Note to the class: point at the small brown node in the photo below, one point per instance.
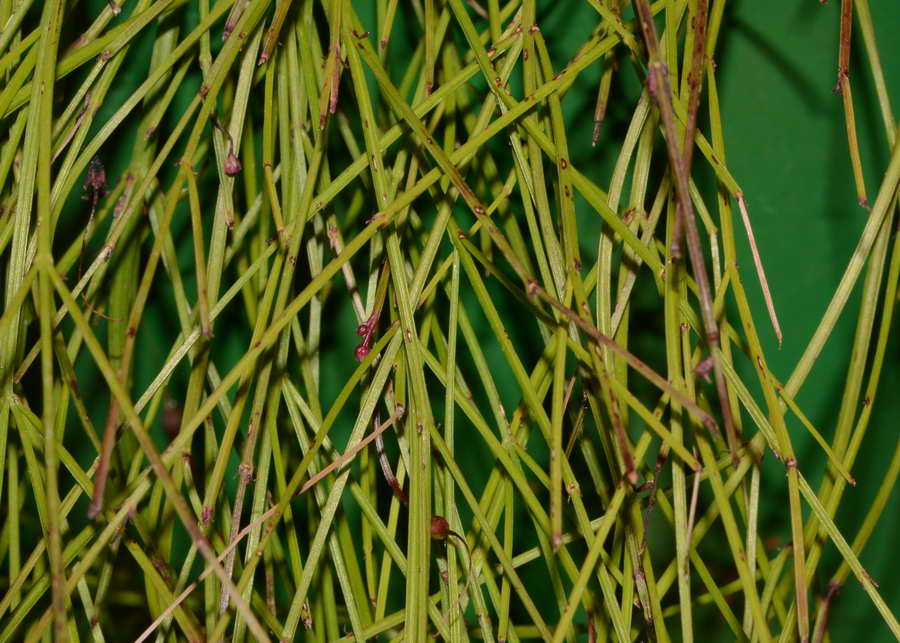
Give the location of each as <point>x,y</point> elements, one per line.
<point>245,471</point>
<point>440,528</point>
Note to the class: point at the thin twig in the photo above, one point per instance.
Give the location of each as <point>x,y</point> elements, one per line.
<point>695,84</point>
<point>359,446</point>
<point>658,84</point>
<point>760,271</point>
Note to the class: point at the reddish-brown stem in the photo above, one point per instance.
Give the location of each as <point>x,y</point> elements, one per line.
<point>367,328</point>
<point>615,417</point>
<point>846,33</point>
<point>335,80</point>
<point>102,473</point>
<point>387,471</point>
<point>272,34</point>
<point>245,473</point>
<point>695,83</point>
<point>658,86</point>
<point>824,611</point>
<point>236,10</point>
<point>352,451</point>
<point>270,575</point>
<point>652,486</point>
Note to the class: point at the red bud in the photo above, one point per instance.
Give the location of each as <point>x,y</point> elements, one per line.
<point>440,528</point>
<point>232,165</point>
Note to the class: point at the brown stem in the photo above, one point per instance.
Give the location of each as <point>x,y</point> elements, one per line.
<point>653,486</point>
<point>846,33</point>
<point>352,451</point>
<point>270,575</point>
<point>102,473</point>
<point>658,86</point>
<point>695,83</point>
<point>615,417</point>
<point>387,471</point>
<point>824,611</point>
<point>236,10</point>
<point>245,472</point>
